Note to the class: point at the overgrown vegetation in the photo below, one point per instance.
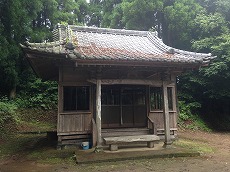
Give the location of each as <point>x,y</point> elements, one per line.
<point>38,94</point>
<point>8,115</point>
<point>30,108</point>
<point>16,116</point>
<point>188,119</point>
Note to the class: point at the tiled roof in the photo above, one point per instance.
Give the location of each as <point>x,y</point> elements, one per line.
<point>89,43</point>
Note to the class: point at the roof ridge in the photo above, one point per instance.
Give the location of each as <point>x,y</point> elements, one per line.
<point>162,46</point>
<point>44,44</point>
<point>109,30</point>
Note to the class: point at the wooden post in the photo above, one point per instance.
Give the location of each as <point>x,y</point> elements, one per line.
<point>168,141</point>
<point>60,107</point>
<point>98,114</point>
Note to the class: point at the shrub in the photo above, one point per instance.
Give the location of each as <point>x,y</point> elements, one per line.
<point>39,94</point>
<point>7,113</point>
<point>188,119</point>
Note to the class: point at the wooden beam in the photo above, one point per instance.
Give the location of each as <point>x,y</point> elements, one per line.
<point>156,83</point>
<point>168,141</point>
<point>98,113</point>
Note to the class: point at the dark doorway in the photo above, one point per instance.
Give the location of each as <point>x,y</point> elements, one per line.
<point>124,106</point>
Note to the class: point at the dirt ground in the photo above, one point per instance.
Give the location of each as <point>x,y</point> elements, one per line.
<point>216,161</point>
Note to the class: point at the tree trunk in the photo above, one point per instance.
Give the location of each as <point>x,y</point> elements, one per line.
<point>12,94</point>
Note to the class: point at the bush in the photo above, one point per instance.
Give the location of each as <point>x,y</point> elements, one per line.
<point>188,119</point>
<point>39,94</point>
<point>7,113</point>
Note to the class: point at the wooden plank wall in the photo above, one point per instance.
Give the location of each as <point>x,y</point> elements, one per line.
<point>158,119</point>
<point>74,123</point>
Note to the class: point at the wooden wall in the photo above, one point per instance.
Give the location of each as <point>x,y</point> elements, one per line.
<point>80,122</point>
<point>73,122</point>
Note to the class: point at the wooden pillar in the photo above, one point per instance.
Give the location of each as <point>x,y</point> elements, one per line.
<point>168,141</point>
<point>98,113</point>
<point>60,106</point>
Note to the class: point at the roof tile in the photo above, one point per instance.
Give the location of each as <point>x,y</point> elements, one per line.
<point>118,45</point>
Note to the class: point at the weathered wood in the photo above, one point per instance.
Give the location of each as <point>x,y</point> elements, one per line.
<point>94,133</point>
<point>151,126</point>
<point>158,119</point>
<point>156,83</point>
<point>166,116</point>
<point>113,142</point>
<point>78,136</point>
<point>73,132</point>
<point>171,129</point>
<point>60,100</point>
<point>130,139</point>
<point>175,104</point>
<point>162,131</point>
<point>98,112</point>
<point>124,132</point>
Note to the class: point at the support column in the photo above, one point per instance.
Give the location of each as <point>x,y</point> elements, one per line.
<point>60,107</point>
<point>168,141</point>
<point>98,114</point>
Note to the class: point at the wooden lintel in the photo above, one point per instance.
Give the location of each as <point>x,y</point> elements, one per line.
<point>157,83</point>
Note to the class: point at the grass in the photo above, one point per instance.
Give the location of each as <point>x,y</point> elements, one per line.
<point>34,125</point>
<point>35,147</point>
<point>53,156</point>
<point>202,148</point>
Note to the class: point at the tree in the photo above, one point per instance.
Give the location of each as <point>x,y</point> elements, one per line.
<point>179,23</point>
<point>22,20</point>
<point>94,16</point>
<point>140,15</point>
<point>13,28</point>
<point>112,14</point>
<point>210,85</point>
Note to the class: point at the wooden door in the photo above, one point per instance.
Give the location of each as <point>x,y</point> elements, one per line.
<point>134,106</point>
<point>124,106</point>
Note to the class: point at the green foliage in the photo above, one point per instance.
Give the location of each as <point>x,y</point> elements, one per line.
<point>39,94</point>
<point>187,118</point>
<point>186,109</point>
<point>7,113</point>
<point>22,20</point>
<point>112,14</point>
<point>179,18</point>
<point>141,12</point>
<point>94,16</point>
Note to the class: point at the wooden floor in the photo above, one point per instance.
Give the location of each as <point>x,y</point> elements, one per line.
<point>124,132</point>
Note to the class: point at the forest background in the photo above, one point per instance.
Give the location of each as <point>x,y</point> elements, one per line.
<point>194,25</point>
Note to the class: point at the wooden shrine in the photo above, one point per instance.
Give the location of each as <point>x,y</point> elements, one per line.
<point>112,82</point>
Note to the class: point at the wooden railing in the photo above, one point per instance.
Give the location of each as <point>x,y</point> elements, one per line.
<point>153,129</point>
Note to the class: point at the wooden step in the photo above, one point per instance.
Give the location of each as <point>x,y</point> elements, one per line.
<point>124,131</point>
<point>74,139</point>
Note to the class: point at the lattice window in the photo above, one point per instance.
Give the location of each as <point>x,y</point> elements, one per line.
<point>156,98</point>
<point>76,98</point>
